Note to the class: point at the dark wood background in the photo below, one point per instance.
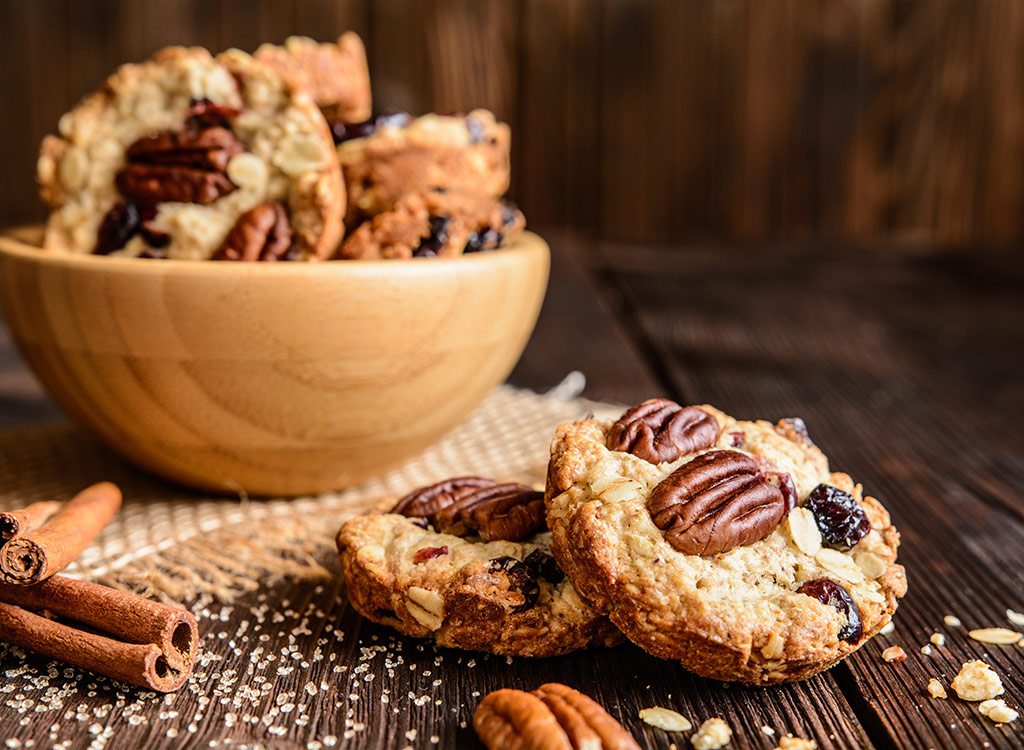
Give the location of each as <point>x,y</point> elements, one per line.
<point>634,120</point>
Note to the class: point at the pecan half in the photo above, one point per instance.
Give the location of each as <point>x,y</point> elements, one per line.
<point>505,511</point>
<point>262,233</point>
<point>552,717</point>
<point>583,719</point>
<point>427,501</point>
<point>659,430</point>
<point>185,167</point>
<point>715,502</point>
<point>517,720</point>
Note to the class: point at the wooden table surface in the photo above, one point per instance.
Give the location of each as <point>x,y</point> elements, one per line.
<point>905,364</point>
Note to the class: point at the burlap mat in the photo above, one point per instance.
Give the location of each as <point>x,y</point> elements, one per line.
<point>173,544</point>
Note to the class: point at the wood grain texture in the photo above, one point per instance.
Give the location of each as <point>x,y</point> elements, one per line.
<point>285,380</point>
<point>633,119</point>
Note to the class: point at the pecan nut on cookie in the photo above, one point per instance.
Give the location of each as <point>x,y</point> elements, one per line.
<point>725,544</point>
<point>466,563</point>
<point>393,155</point>
<point>193,157</point>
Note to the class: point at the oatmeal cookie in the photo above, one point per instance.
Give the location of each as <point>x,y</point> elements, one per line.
<point>190,156</point>
<point>725,544</point>
<point>426,225</point>
<point>502,597</point>
<point>335,75</point>
<point>393,155</point>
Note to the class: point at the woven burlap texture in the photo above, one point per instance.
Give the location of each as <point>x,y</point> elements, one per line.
<point>177,545</point>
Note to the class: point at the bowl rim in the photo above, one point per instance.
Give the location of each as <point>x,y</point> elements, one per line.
<point>13,244</point>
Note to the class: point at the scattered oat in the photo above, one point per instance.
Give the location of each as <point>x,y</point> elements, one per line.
<point>887,628</point>
<point>952,621</point>
<point>996,636</point>
<point>935,689</point>
<point>998,711</point>
<point>926,649</point>
<point>1015,617</point>
<point>768,730</point>
<point>804,530</point>
<point>789,742</point>
<point>977,682</point>
<point>894,653</point>
<point>713,734</point>
<point>666,718</point>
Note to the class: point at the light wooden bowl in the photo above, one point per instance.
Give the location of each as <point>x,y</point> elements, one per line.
<point>284,378</point>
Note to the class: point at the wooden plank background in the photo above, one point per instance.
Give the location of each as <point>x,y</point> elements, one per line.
<point>635,120</point>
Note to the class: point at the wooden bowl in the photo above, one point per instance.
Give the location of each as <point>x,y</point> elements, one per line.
<point>273,379</point>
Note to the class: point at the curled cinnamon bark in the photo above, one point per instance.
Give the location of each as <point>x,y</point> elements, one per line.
<point>37,555</point>
<point>15,522</point>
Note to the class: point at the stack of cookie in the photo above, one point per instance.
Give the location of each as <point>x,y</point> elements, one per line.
<point>727,545</point>
<point>270,157</point>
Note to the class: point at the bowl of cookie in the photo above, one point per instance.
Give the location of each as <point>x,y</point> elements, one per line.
<point>249,283</point>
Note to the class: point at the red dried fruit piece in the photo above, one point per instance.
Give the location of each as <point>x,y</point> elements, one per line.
<point>659,430</point>
<point>784,482</point>
<point>827,591</point>
<point>840,518</point>
<point>543,565</point>
<point>429,553</point>
<point>118,226</point>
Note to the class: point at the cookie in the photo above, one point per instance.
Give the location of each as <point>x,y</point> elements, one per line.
<point>503,596</point>
<point>727,545</point>
<point>427,225</point>
<point>335,75</point>
<point>194,157</point>
<point>393,155</point>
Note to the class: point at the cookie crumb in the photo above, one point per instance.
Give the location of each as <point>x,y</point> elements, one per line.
<point>952,621</point>
<point>665,718</point>
<point>768,730</point>
<point>998,711</point>
<point>1015,617</point>
<point>789,742</point>
<point>935,689</point>
<point>713,734</point>
<point>938,639</point>
<point>995,636</point>
<point>887,628</point>
<point>977,682</point>
<point>926,649</point>
<point>894,653</point>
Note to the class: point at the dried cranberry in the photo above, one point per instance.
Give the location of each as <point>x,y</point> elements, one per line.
<point>153,253</point>
<point>543,565</point>
<point>508,213</point>
<point>520,577</point>
<point>476,130</point>
<point>117,227</point>
<point>204,114</point>
<point>840,518</point>
<point>827,591</point>
<point>429,553</point>
<point>347,131</point>
<point>487,239</point>
<point>435,241</point>
<point>786,486</point>
<point>799,427</point>
<point>737,438</point>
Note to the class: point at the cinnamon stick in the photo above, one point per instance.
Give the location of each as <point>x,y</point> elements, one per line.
<point>37,555</point>
<point>131,618</point>
<point>15,522</point>
<point>137,664</point>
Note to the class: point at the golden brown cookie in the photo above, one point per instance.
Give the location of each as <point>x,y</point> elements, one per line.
<point>335,75</point>
<point>173,154</point>
<point>725,544</point>
<point>502,597</point>
<point>435,225</point>
<point>394,155</point>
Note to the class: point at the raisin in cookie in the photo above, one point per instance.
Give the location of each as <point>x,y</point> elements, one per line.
<point>727,545</point>
<point>393,155</point>
<point>335,75</point>
<point>190,156</point>
<point>427,225</point>
<point>504,596</point>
